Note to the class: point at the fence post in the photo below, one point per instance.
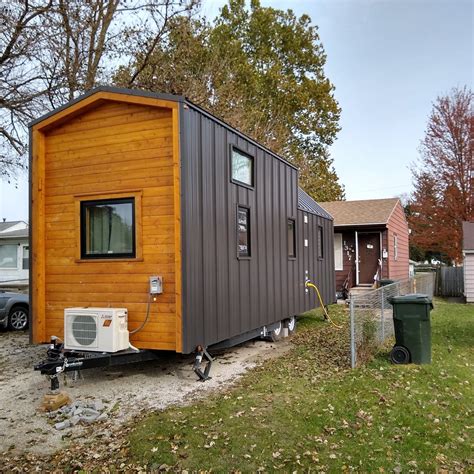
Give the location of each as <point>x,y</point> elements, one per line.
<point>382,318</point>
<point>353,345</point>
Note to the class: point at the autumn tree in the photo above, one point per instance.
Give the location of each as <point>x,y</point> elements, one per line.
<point>87,41</point>
<point>21,78</point>
<point>442,198</point>
<point>261,70</point>
<point>52,51</point>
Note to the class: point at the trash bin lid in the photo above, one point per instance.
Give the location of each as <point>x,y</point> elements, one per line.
<point>416,298</point>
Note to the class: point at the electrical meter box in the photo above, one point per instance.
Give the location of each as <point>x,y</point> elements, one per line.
<point>156,285</point>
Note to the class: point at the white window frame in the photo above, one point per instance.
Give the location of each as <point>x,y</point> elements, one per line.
<point>338,252</point>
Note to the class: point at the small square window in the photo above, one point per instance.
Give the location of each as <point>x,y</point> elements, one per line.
<point>108,228</point>
<point>243,231</point>
<point>241,168</point>
<point>291,238</point>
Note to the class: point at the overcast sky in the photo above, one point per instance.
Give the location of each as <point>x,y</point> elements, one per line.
<point>389,60</point>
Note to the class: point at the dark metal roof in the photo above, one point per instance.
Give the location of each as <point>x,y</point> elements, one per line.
<point>115,90</point>
<point>156,95</point>
<point>308,204</point>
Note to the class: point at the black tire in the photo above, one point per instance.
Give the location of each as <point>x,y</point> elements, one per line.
<point>277,333</point>
<point>291,325</point>
<point>18,318</point>
<point>400,355</point>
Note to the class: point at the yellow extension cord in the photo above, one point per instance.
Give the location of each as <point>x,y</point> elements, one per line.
<point>312,285</point>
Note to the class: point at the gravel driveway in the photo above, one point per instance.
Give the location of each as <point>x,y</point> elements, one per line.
<point>125,391</point>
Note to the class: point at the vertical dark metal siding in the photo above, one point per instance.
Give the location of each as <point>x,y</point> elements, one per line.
<point>224,296</point>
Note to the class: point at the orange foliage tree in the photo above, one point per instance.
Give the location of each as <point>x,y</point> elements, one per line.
<point>443,194</point>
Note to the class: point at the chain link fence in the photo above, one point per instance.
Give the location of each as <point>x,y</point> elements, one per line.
<point>371,315</point>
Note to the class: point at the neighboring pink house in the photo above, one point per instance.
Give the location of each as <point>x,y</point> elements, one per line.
<point>370,237</point>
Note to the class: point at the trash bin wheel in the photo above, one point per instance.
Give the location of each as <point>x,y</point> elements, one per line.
<point>400,355</point>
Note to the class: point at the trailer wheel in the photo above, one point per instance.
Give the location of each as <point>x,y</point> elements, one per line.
<point>291,325</point>
<point>277,333</point>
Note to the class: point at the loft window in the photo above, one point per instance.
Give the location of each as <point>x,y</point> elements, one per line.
<point>320,242</point>
<point>8,256</point>
<point>243,231</point>
<point>108,228</point>
<point>291,238</point>
<point>241,168</point>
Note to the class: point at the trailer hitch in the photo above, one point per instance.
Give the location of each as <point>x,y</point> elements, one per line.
<point>201,352</point>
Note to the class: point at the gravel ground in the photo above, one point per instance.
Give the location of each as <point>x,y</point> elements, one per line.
<point>126,391</point>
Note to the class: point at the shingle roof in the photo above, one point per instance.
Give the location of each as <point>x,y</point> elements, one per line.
<point>308,204</point>
<point>6,225</point>
<point>468,235</point>
<point>14,234</point>
<point>371,211</point>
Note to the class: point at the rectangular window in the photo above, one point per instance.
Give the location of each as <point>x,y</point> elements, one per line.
<point>338,253</point>
<point>241,168</point>
<point>395,247</point>
<point>26,257</point>
<point>8,256</point>
<point>243,231</point>
<point>108,228</point>
<point>291,238</point>
<point>320,242</point>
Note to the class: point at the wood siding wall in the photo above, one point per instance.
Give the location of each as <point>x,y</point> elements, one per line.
<point>397,225</point>
<point>225,296</point>
<point>114,147</point>
<point>469,277</point>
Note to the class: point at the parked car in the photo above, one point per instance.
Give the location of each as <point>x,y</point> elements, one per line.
<point>14,310</point>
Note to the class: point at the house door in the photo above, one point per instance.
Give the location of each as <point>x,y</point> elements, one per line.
<point>369,254</point>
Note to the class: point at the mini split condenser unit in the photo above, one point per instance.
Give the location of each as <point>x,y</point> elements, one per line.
<point>96,329</point>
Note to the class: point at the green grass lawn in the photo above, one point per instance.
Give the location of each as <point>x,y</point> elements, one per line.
<point>307,410</point>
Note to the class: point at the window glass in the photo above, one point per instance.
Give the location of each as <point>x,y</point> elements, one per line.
<point>338,255</point>
<point>8,256</point>
<point>242,168</point>
<point>26,257</point>
<point>291,239</point>
<point>320,242</point>
<point>108,228</point>
<point>243,231</point>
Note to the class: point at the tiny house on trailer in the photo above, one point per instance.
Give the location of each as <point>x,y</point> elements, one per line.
<point>127,185</point>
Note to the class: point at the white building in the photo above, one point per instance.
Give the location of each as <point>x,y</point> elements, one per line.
<point>14,253</point>
<point>468,253</point>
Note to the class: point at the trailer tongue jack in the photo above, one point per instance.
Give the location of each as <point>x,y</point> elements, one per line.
<point>201,352</point>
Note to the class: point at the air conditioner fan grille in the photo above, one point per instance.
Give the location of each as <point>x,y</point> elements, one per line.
<point>84,329</point>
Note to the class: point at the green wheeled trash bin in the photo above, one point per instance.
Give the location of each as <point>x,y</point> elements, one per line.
<point>411,320</point>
